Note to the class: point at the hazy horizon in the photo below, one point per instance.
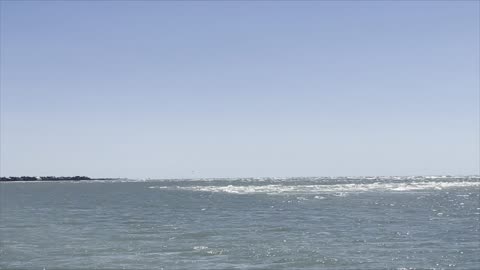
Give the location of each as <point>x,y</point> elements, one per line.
<point>239,89</point>
<point>255,177</point>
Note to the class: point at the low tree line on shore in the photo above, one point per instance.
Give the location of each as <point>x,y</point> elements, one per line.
<point>43,178</point>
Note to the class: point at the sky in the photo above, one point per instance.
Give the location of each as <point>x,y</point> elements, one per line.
<point>239,89</point>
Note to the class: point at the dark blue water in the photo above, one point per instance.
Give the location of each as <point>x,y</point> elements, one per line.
<point>306,223</point>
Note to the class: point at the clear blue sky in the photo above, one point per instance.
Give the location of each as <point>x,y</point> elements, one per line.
<point>235,89</point>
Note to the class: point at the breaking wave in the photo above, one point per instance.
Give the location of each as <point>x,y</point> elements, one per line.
<point>324,188</point>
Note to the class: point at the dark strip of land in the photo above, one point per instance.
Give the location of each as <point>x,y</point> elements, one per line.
<point>49,178</point>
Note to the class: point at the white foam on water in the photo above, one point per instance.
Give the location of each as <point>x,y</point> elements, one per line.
<point>338,189</point>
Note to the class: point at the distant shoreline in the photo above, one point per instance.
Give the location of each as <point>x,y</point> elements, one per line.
<point>86,178</point>
<point>51,178</point>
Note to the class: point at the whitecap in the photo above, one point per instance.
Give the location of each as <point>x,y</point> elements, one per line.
<point>336,189</point>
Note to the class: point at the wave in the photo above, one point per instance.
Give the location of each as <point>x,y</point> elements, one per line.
<point>314,189</point>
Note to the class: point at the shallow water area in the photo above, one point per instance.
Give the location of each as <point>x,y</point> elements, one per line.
<point>269,223</point>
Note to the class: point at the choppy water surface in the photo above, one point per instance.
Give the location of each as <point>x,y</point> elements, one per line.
<point>304,223</point>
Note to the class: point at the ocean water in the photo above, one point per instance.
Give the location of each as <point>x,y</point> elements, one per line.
<point>265,223</point>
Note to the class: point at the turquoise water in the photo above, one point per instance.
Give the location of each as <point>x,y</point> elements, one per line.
<point>296,223</point>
